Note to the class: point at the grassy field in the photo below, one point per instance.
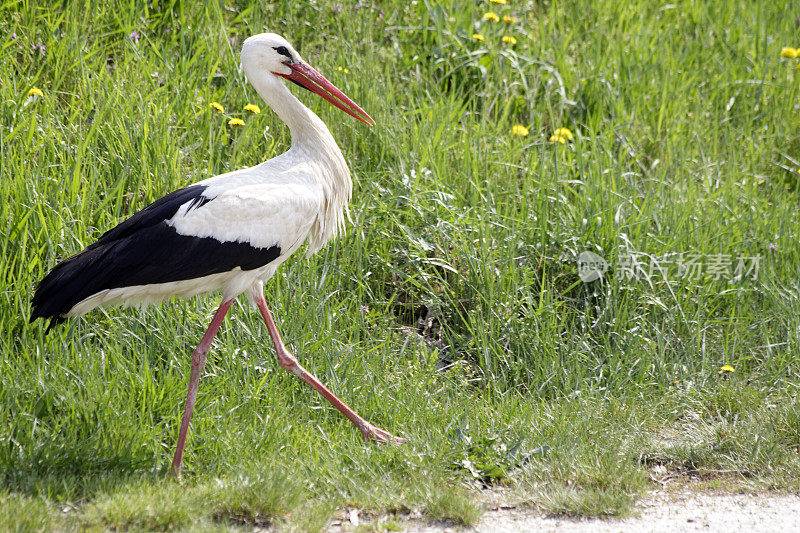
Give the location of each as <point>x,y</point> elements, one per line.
<point>452,312</point>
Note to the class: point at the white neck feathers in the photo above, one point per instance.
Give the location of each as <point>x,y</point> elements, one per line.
<point>311,142</point>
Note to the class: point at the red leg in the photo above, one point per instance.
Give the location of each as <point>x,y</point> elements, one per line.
<point>288,361</point>
<point>198,362</point>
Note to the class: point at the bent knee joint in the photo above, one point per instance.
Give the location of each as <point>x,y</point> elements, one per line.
<point>288,362</point>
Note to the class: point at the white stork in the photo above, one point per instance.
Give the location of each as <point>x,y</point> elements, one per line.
<point>229,232</point>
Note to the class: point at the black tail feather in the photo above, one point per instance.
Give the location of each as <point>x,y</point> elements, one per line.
<point>65,285</point>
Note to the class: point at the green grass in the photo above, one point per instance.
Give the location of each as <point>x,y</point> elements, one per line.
<point>461,254</point>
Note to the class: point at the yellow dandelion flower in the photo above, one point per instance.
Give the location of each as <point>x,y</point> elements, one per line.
<point>343,69</point>
<point>217,106</point>
<point>491,16</point>
<point>35,91</point>
<point>501,2</point>
<point>509,39</point>
<point>558,139</point>
<point>509,19</point>
<point>790,52</point>
<point>477,36</point>
<point>236,122</point>
<point>253,108</point>
<point>726,368</point>
<point>563,132</point>
<point>519,129</point>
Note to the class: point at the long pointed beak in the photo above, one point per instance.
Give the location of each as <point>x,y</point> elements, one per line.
<point>307,77</point>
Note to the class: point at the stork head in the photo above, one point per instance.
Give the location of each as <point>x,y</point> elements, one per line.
<point>272,53</point>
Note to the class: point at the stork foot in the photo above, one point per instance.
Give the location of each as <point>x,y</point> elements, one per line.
<point>379,436</point>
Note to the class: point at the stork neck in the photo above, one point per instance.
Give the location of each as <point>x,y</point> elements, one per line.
<point>305,126</point>
<point>312,141</point>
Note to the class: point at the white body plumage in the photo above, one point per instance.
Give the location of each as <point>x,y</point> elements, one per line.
<point>300,196</point>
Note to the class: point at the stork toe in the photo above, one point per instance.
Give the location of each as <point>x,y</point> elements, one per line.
<point>380,436</point>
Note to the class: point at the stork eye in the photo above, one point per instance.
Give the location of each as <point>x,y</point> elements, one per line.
<point>283,51</point>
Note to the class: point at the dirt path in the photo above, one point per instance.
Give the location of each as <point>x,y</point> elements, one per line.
<point>661,512</point>
<point>666,512</point>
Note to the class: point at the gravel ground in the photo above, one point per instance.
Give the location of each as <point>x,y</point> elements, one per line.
<point>661,512</point>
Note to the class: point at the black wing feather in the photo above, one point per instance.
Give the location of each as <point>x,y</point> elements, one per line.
<point>143,250</point>
<point>162,209</point>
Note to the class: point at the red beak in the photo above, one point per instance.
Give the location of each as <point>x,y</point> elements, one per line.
<point>305,76</point>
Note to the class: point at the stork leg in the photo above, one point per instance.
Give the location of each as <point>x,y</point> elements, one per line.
<point>198,363</point>
<point>288,361</point>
